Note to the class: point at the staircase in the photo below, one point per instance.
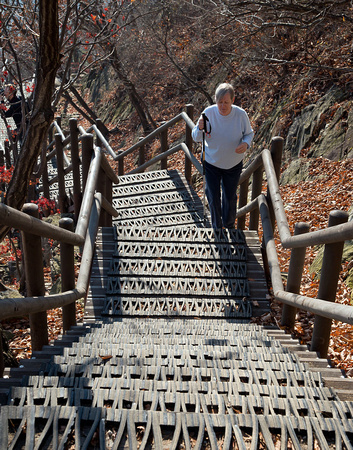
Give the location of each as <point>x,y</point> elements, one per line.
<point>168,356</point>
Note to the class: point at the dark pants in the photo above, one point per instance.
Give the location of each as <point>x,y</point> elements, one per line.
<point>223,209</point>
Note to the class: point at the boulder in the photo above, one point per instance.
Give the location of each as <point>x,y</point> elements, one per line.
<point>295,172</point>
<point>323,127</point>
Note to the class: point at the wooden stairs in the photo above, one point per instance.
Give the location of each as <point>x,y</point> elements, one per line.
<point>169,356</point>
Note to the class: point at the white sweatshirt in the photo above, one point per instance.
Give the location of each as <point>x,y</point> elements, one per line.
<point>227,132</point>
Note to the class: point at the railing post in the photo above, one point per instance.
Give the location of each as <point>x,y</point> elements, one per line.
<point>188,142</point>
<point>15,149</point>
<point>142,158</point>
<point>51,136</point>
<point>7,154</point>
<point>276,153</point>
<point>295,272</point>
<point>164,148</point>
<point>100,127</point>
<point>45,177</point>
<point>33,262</point>
<point>330,270</point>
<point>109,198</point>
<point>121,169</point>
<point>255,192</point>
<point>61,175</point>
<point>87,152</point>
<point>75,160</point>
<point>67,265</point>
<point>2,362</point>
<point>243,199</point>
<point>102,188</point>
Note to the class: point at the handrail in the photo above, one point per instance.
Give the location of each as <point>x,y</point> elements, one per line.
<point>101,137</point>
<point>343,313</point>
<point>14,307</point>
<point>336,233</point>
<point>84,236</point>
<point>333,235</point>
<point>151,136</point>
<point>13,218</point>
<point>169,152</point>
<point>87,201</point>
<point>335,311</point>
<point>89,214</point>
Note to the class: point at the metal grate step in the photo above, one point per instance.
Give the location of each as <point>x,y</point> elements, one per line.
<point>124,266</point>
<point>180,234</point>
<point>159,383</point>
<point>57,427</point>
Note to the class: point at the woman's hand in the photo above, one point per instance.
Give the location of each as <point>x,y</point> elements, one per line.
<point>241,148</point>
<point>201,123</point>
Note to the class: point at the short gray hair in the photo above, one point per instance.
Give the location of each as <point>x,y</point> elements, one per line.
<point>223,89</point>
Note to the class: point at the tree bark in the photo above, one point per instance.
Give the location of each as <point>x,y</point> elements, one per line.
<point>146,120</point>
<point>42,113</point>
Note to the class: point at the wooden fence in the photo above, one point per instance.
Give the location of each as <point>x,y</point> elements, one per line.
<point>92,179</point>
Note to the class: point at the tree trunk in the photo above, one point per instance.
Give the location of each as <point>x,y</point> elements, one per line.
<point>42,114</point>
<point>147,123</point>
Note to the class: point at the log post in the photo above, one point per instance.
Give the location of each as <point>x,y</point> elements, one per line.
<point>75,160</point>
<point>87,152</point>
<point>61,175</point>
<point>33,262</point>
<point>243,199</point>
<point>330,270</point>
<point>188,142</point>
<point>276,153</point>
<point>67,264</point>
<point>102,188</point>
<point>295,272</point>
<point>255,192</point>
<point>142,157</point>
<point>121,167</point>
<point>164,148</point>
<point>109,198</point>
<point>45,177</point>
<point>101,128</point>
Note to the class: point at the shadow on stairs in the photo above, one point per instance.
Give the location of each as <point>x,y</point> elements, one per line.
<point>163,259</point>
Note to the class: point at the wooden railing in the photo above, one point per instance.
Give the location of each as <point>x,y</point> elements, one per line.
<point>95,209</point>
<point>92,179</point>
<point>271,210</point>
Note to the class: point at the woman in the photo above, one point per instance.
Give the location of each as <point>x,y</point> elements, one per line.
<point>14,110</point>
<point>228,135</point>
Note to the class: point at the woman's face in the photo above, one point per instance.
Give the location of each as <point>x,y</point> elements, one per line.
<point>225,104</point>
